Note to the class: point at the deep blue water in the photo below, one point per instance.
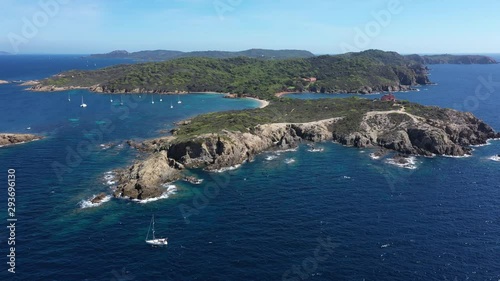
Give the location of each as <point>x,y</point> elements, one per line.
<point>264,221</point>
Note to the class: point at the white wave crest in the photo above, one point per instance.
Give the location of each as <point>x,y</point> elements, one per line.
<point>289,161</point>
<point>109,178</point>
<point>222,170</point>
<point>410,163</point>
<point>271,157</point>
<point>495,158</point>
<point>314,149</point>
<point>88,203</point>
<point>171,189</point>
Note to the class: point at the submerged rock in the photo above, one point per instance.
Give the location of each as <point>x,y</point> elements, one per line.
<point>98,198</point>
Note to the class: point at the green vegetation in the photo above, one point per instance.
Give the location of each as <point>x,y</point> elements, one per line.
<point>286,110</point>
<point>452,59</point>
<point>163,55</point>
<point>354,72</point>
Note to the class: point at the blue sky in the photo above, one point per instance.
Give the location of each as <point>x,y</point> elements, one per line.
<point>321,26</point>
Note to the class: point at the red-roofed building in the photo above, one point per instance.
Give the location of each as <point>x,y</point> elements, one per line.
<point>388,97</point>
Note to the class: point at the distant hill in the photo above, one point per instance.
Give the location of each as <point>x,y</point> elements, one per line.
<point>452,59</point>
<point>364,72</point>
<point>2,53</point>
<point>163,55</point>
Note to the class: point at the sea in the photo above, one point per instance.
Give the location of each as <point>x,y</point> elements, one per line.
<point>332,213</point>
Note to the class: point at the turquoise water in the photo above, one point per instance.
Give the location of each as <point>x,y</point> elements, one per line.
<point>266,220</point>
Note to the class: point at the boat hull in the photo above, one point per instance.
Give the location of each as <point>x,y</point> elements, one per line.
<point>157,242</point>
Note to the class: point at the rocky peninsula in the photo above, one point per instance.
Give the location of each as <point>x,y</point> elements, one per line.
<point>11,139</point>
<point>406,128</point>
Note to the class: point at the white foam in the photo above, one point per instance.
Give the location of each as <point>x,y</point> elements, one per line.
<point>271,157</point>
<point>88,204</point>
<point>289,160</point>
<point>222,170</point>
<point>171,189</point>
<point>495,158</point>
<point>319,149</point>
<point>374,157</point>
<point>109,178</point>
<point>286,150</point>
<point>347,177</point>
<point>481,145</point>
<point>385,245</point>
<point>452,156</point>
<point>411,163</point>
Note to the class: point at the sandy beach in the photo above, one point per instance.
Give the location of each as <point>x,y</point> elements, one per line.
<point>263,103</point>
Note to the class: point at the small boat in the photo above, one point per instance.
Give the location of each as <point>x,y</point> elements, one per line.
<point>69,97</point>
<point>111,99</point>
<point>152,100</point>
<point>161,99</point>
<point>171,106</point>
<point>179,99</point>
<point>29,128</point>
<point>83,104</point>
<point>155,241</point>
<point>121,100</point>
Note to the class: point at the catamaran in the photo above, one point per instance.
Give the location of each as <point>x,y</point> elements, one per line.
<point>155,241</point>
<point>83,104</point>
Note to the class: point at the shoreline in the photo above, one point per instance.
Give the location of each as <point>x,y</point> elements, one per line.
<point>262,103</point>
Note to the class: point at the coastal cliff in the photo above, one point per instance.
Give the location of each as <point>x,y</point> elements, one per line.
<point>417,130</point>
<point>11,139</point>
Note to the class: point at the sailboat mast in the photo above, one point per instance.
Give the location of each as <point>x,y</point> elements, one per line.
<point>153,227</point>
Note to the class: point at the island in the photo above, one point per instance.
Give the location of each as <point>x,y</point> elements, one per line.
<point>162,55</point>
<point>452,59</point>
<point>217,141</point>
<point>363,72</point>
<point>11,139</point>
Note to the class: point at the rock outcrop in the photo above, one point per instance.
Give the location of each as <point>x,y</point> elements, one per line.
<point>448,132</point>
<point>10,139</point>
<point>145,178</point>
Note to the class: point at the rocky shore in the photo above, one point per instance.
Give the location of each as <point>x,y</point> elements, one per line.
<point>449,133</point>
<point>11,139</point>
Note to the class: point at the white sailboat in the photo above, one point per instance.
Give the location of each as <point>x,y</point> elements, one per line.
<point>179,99</point>
<point>69,97</point>
<point>155,241</point>
<point>111,99</point>
<point>171,106</point>
<point>152,100</point>
<point>121,100</point>
<point>83,104</point>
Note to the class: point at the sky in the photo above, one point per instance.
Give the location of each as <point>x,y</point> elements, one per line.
<point>320,26</point>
